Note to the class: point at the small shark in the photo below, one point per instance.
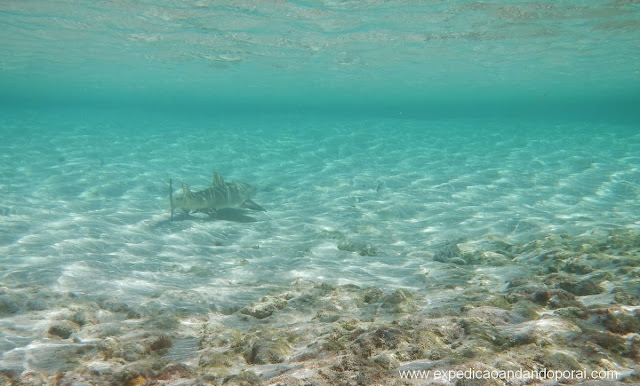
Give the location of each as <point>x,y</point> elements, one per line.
<point>220,195</point>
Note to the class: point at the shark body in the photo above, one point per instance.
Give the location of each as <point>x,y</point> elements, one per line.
<point>220,195</point>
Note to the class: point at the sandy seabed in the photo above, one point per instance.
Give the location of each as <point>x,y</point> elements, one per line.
<point>573,307</point>
<point>390,253</point>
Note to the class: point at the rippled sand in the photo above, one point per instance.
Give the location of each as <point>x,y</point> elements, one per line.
<point>386,246</point>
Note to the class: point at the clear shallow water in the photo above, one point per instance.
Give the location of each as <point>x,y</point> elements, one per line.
<point>399,185</point>
<point>377,134</point>
<point>396,57</point>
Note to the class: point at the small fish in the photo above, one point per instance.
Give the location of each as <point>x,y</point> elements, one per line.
<point>220,195</point>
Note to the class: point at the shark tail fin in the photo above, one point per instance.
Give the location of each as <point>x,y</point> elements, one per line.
<point>173,206</point>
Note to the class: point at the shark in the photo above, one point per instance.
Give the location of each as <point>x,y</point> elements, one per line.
<point>220,195</point>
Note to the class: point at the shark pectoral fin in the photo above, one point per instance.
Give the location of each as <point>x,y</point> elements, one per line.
<point>252,205</point>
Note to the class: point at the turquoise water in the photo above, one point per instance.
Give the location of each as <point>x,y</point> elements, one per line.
<point>447,185</point>
<point>395,57</point>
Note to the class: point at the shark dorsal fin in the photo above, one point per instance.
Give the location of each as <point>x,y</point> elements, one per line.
<point>217,180</point>
<point>185,190</point>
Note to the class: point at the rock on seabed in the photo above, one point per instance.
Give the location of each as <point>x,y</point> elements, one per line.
<point>576,306</point>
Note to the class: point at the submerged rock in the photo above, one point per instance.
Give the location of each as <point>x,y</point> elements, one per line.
<point>620,322</point>
<point>457,260</point>
<point>577,267</point>
<point>488,258</point>
<point>160,344</point>
<point>213,358</point>
<point>381,338</point>
<point>580,288</point>
<point>263,350</point>
<point>557,361</point>
<point>244,378</point>
<point>398,301</point>
<point>9,305</point>
<point>327,316</point>
<point>448,252</point>
<point>463,317</point>
<point>563,299</point>
<point>495,316</point>
<point>265,308</point>
<point>396,297</point>
<point>627,295</point>
<point>363,249</point>
<point>386,361</point>
<point>62,329</point>
<point>115,306</point>
<point>372,294</point>
<point>137,381</point>
<point>368,250</point>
